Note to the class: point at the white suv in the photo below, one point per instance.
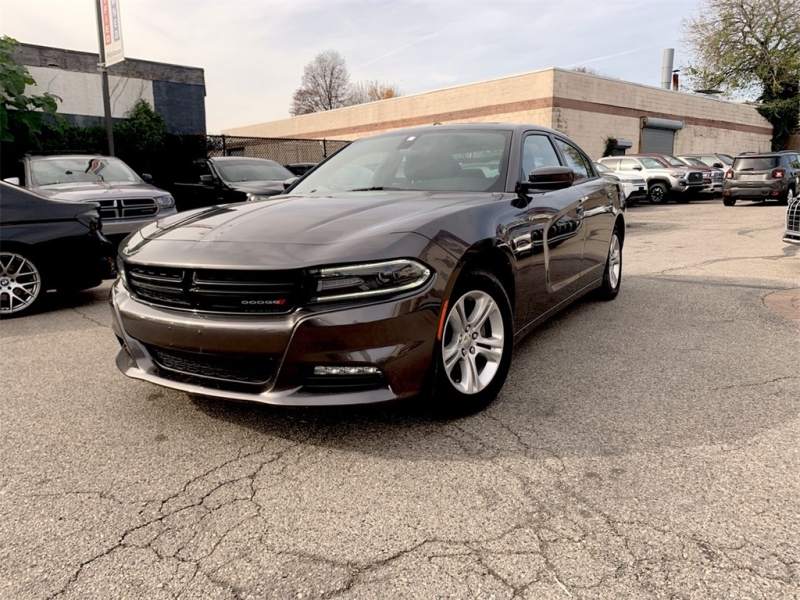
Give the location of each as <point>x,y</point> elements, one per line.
<point>662,180</point>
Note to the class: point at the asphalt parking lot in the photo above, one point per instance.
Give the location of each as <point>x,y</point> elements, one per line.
<point>643,448</point>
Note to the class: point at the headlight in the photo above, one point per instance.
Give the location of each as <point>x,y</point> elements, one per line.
<point>367,280</point>
<point>677,174</point>
<point>165,201</point>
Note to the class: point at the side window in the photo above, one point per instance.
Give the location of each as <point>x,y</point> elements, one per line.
<point>611,163</point>
<point>575,160</point>
<point>628,164</point>
<point>537,151</point>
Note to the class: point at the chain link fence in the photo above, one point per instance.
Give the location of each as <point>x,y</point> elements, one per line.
<point>282,150</point>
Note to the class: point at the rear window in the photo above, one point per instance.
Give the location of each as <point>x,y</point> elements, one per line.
<point>756,163</point>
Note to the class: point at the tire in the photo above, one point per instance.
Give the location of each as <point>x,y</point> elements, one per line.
<point>788,197</point>
<point>21,287</point>
<point>469,374</point>
<point>612,275</point>
<point>728,201</point>
<point>657,193</point>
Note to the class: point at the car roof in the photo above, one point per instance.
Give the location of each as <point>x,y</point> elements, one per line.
<point>68,156</point>
<point>759,154</point>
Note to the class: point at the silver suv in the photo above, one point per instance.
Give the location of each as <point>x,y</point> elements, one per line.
<point>126,201</point>
<point>662,181</point>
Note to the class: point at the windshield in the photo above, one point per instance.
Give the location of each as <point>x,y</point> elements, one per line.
<point>453,161</point>
<point>251,170</point>
<point>80,170</point>
<point>652,163</point>
<point>760,163</point>
<point>675,162</point>
<point>694,161</point>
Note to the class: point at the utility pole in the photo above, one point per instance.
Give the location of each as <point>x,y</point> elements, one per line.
<point>101,66</point>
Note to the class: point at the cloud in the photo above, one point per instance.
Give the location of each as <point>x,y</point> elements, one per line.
<point>253,52</point>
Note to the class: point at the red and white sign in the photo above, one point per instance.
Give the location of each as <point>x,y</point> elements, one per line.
<point>112,32</point>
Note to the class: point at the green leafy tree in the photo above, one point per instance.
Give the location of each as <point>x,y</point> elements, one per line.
<point>21,114</point>
<point>750,49</point>
<point>141,135</point>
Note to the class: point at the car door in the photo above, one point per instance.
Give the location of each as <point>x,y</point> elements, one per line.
<point>597,208</point>
<point>555,219</point>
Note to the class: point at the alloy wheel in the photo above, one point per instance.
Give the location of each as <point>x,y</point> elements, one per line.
<point>657,195</point>
<point>473,342</point>
<point>614,261</point>
<point>20,283</point>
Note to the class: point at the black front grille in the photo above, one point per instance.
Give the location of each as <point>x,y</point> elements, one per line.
<point>216,290</point>
<point>793,216</point>
<point>234,369</point>
<point>127,208</point>
<point>695,177</point>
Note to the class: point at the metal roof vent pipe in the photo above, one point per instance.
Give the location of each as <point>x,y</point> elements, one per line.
<point>666,68</point>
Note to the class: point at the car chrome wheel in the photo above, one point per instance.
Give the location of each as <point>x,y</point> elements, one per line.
<point>614,261</point>
<point>473,342</point>
<point>20,283</point>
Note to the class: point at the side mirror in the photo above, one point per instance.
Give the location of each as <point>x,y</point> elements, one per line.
<point>12,180</point>
<point>637,168</point>
<point>717,165</point>
<point>549,178</point>
<point>147,178</point>
<point>289,182</point>
<point>207,179</point>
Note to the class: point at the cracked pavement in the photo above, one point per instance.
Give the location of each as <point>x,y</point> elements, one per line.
<point>643,448</point>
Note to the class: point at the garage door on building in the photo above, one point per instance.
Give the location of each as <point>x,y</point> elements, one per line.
<point>658,135</point>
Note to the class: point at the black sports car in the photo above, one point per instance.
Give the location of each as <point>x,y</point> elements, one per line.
<point>47,244</point>
<point>407,262</point>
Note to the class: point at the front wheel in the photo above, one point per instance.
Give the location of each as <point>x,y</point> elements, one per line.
<point>788,198</point>
<point>612,276</point>
<point>657,193</point>
<point>20,284</point>
<point>727,201</point>
<point>476,346</point>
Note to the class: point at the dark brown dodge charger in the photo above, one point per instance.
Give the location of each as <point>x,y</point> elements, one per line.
<point>408,262</point>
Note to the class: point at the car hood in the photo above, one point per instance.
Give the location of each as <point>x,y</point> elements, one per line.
<point>101,190</point>
<point>256,187</point>
<point>312,220</point>
<point>288,232</point>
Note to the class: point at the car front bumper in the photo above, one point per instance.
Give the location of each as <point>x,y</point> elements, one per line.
<point>398,337</point>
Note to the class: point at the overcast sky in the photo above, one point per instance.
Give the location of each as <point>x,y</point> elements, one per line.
<point>253,52</point>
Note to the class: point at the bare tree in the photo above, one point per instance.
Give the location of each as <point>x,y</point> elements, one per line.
<point>325,85</point>
<point>750,48</point>
<point>373,90</point>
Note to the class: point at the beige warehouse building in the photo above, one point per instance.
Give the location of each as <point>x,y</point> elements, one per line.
<point>587,108</point>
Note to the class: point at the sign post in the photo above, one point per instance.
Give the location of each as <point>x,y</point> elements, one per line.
<point>109,31</point>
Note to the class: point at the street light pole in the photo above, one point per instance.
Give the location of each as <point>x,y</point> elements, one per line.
<point>101,66</point>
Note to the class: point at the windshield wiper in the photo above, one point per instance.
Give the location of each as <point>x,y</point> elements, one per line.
<point>376,189</point>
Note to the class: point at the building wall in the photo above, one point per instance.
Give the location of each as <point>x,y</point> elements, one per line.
<point>587,108</point>
<point>590,109</point>
<point>80,92</point>
<point>176,92</point>
<point>523,98</point>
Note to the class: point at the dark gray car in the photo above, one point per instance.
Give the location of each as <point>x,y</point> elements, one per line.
<point>404,264</point>
<point>760,177</point>
<point>126,201</point>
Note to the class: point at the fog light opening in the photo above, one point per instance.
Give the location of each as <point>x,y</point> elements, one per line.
<point>342,370</point>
